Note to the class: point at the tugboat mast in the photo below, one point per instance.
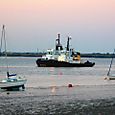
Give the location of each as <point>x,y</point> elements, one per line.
<point>58,44</point>
<point>68,43</point>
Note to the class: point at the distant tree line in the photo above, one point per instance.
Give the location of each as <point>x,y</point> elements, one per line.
<point>39,54</point>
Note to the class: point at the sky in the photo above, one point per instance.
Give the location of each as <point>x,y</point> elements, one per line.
<point>33,25</point>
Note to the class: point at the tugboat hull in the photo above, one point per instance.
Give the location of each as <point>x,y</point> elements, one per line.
<point>55,63</point>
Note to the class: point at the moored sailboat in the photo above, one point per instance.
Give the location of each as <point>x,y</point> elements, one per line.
<point>12,81</point>
<point>109,75</point>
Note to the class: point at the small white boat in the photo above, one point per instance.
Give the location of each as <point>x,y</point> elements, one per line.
<point>12,81</point>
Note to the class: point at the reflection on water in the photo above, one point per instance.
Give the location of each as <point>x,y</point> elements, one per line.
<point>50,76</point>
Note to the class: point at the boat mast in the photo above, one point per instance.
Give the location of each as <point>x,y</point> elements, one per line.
<point>68,39</point>
<point>68,46</point>
<point>58,44</point>
<point>111,64</point>
<point>3,38</point>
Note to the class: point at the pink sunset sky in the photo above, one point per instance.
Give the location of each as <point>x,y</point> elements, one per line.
<point>34,24</point>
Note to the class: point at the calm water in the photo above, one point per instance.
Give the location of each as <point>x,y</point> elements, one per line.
<point>47,92</point>
<point>50,76</point>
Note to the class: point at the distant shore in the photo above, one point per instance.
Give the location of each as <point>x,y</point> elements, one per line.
<point>33,54</point>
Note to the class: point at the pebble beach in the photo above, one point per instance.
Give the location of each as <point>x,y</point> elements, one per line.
<point>77,100</point>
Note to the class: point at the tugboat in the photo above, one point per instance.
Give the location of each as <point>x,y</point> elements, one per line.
<point>60,57</point>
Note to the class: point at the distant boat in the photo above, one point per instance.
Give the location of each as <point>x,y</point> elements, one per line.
<point>12,81</point>
<point>60,57</point>
<point>109,75</point>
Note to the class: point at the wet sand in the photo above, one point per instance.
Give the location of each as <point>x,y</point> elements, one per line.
<point>78,100</point>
